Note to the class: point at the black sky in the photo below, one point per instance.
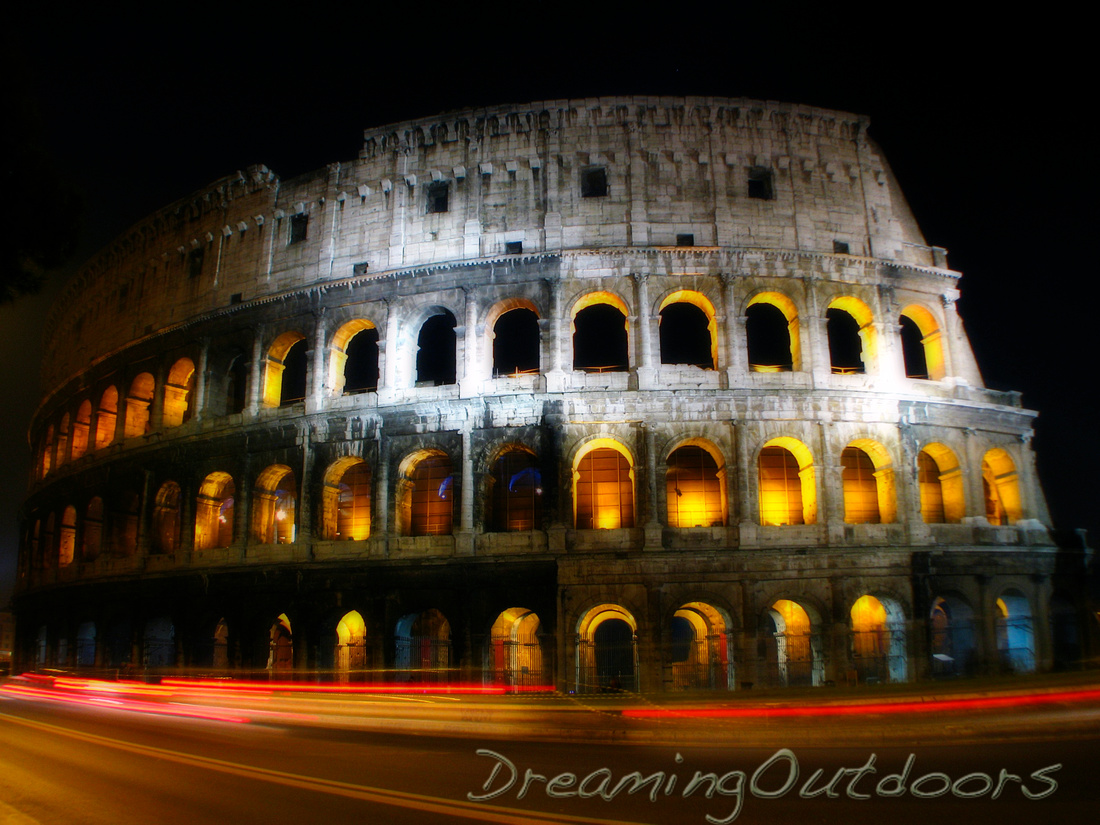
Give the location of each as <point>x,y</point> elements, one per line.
<point>983,121</point>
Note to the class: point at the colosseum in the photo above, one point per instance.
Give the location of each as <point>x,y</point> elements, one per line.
<point>629,393</point>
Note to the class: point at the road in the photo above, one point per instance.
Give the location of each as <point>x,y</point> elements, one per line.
<point>308,759</point>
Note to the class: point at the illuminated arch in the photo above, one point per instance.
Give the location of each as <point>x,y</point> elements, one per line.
<point>695,484</point>
<point>137,405</point>
<point>1001,487</point>
<point>793,650</point>
<point>952,630</point>
<point>512,326</point>
<point>351,644</point>
<point>274,503</point>
<point>607,652</point>
<point>166,519</point>
<point>704,305</point>
<point>927,346</point>
<point>1015,634</point>
<point>45,458</point>
<point>105,418</point>
<point>868,481</point>
<point>788,487</point>
<point>514,652</point>
<point>598,336</point>
<point>179,393</point>
<point>280,652</point>
<point>699,648</point>
<point>214,512</point>
<point>878,639</point>
<point>423,646</point>
<point>425,494</point>
<point>764,334</point>
<point>848,355</point>
<point>513,493</point>
<point>603,486</point>
<point>353,358</point>
<point>80,429</point>
<point>275,394</point>
<point>346,500</point>
<point>941,485</point>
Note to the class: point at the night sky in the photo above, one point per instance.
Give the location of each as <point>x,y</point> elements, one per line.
<point>984,125</point>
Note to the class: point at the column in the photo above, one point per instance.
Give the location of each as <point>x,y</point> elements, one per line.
<point>255,373</point>
<point>201,379</point>
<point>470,380</point>
<point>646,368</point>
<point>555,378</point>
<point>736,357</point>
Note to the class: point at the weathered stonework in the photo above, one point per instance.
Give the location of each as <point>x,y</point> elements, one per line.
<point>173,350</point>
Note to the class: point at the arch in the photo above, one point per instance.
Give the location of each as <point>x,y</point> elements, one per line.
<point>214,511</point>
<point>105,418</point>
<point>275,500</point>
<point>124,523</point>
<point>437,347</point>
<point>423,646</point>
<point>166,519</point>
<point>868,482</point>
<point>62,440</point>
<point>793,651</point>
<point>603,486</point>
<point>600,329</point>
<point>514,491</point>
<point>45,458</point>
<point>788,488</point>
<point>219,660</point>
<point>699,648</point>
<point>159,643</point>
<point>688,330</point>
<point>516,340</point>
<point>92,538</point>
<point>952,632</point>
<point>285,370</point>
<point>1001,487</point>
<point>67,546</point>
<point>607,650</point>
<point>236,386</point>
<point>921,344</point>
<point>1015,635</point>
<point>878,640</point>
<point>852,341</point>
<point>138,401</point>
<point>85,644</point>
<point>350,653</point>
<point>354,358</point>
<point>280,649</point>
<point>772,333</point>
<point>425,494</point>
<point>696,486</point>
<point>346,500</point>
<point>80,429</point>
<point>179,393</point>
<point>514,653</point>
<point>941,485</point>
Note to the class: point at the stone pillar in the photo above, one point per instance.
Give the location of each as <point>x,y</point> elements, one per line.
<point>989,657</point>
<point>388,352</point>
<point>653,527</point>
<point>256,374</point>
<point>646,367</point>
<point>201,380</point>
<point>972,477</point>
<point>736,356</point>
<point>464,543</point>
<point>555,378</point>
<point>316,391</point>
<point>380,515</point>
<point>947,338</point>
<point>469,382</point>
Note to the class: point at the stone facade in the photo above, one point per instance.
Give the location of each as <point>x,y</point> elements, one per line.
<point>637,392</point>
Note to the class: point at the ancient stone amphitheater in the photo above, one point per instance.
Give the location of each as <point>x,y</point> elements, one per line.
<point>639,393</point>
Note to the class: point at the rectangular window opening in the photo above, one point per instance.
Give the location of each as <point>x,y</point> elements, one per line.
<point>438,194</point>
<point>841,248</point>
<point>760,184</point>
<point>513,247</point>
<point>194,262</point>
<point>298,226</point>
<point>594,182</point>
<point>685,239</point>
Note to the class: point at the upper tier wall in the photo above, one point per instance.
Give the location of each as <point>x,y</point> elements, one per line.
<point>461,186</point>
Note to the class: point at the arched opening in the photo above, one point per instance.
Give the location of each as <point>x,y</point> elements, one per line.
<point>214,512</point>
<point>878,640</point>
<point>772,333</point>
<point>166,519</point>
<point>179,393</point>
<point>607,654</point>
<point>137,405</point>
<point>280,650</point>
<point>80,429</point>
<point>852,343</point>
<point>159,643</point>
<point>220,658</point>
<point>274,504</point>
<point>1001,488</point>
<point>45,455</point>
<point>921,344</point>
<point>514,494</point>
<point>792,655</point>
<point>515,654</point>
<point>67,547</point>
<point>941,485</point>
<point>436,351</point>
<point>425,494</point>
<point>354,358</point>
<point>124,523</point>
<point>699,649</point>
<point>516,343</point>
<point>868,482</point>
<point>600,334</point>
<point>105,418</point>
<point>788,493</point>
<point>951,626</point>
<point>350,655</point>
<point>696,487</point>
<point>285,370</point>
<point>603,486</point>
<point>423,647</point>
<point>63,440</point>
<point>92,542</point>
<point>688,331</point>
<point>346,500</point>
<point>85,645</point>
<point>1015,636</point>
<point>236,386</point>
